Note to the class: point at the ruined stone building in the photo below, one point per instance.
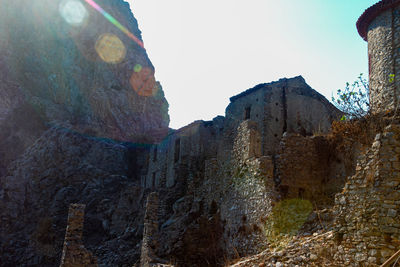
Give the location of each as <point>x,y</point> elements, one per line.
<point>266,140</point>
<point>237,166</point>
<point>270,110</point>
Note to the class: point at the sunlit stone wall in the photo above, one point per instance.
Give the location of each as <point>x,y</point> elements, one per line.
<point>384,61</point>
<point>287,105</point>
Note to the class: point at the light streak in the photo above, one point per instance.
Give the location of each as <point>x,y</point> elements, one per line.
<point>115,22</point>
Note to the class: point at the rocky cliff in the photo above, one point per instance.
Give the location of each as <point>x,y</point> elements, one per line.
<point>78,105</point>
<point>63,167</point>
<point>63,63</point>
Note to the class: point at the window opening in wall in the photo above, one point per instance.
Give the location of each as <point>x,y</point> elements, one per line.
<point>153,181</point>
<point>155,154</point>
<point>177,149</point>
<point>301,192</point>
<point>284,190</point>
<point>247,113</point>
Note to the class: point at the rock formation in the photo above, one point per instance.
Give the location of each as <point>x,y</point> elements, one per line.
<point>78,105</point>
<point>64,167</point>
<point>71,67</point>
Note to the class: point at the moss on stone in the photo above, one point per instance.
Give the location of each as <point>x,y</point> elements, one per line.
<point>286,219</point>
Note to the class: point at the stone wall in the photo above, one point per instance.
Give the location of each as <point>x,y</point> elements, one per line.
<point>367,210</point>
<point>287,105</point>
<point>74,253</point>
<point>180,151</point>
<point>247,142</point>
<point>250,192</point>
<point>308,167</point>
<point>308,112</point>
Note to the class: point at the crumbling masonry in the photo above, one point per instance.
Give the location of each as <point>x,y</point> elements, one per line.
<point>262,152</point>
<point>234,167</point>
<point>149,243</point>
<point>74,253</point>
<point>368,209</point>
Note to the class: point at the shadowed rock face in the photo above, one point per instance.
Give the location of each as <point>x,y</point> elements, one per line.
<point>63,63</point>
<point>63,167</point>
<point>70,83</point>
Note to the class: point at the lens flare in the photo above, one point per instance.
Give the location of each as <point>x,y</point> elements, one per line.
<point>137,68</point>
<point>143,82</point>
<point>110,48</point>
<point>114,21</point>
<point>73,12</point>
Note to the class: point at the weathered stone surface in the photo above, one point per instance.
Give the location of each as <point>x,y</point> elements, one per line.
<point>65,97</point>
<point>383,92</point>
<point>74,253</point>
<point>64,167</point>
<point>150,232</point>
<point>381,25</point>
<point>367,207</point>
<point>287,105</point>
<point>225,172</point>
<point>52,74</point>
<point>309,168</point>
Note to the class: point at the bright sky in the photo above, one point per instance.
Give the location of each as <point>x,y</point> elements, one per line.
<point>207,51</point>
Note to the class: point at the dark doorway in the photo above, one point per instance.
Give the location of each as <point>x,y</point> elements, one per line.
<point>247,112</point>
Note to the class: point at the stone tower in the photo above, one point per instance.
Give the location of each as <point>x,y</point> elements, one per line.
<point>380,26</point>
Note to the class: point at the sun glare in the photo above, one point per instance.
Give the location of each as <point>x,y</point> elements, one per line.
<point>73,12</point>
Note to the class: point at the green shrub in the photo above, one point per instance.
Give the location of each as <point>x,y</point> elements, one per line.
<point>353,100</point>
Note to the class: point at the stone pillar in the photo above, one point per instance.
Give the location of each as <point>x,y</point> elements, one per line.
<point>74,253</point>
<point>149,243</point>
